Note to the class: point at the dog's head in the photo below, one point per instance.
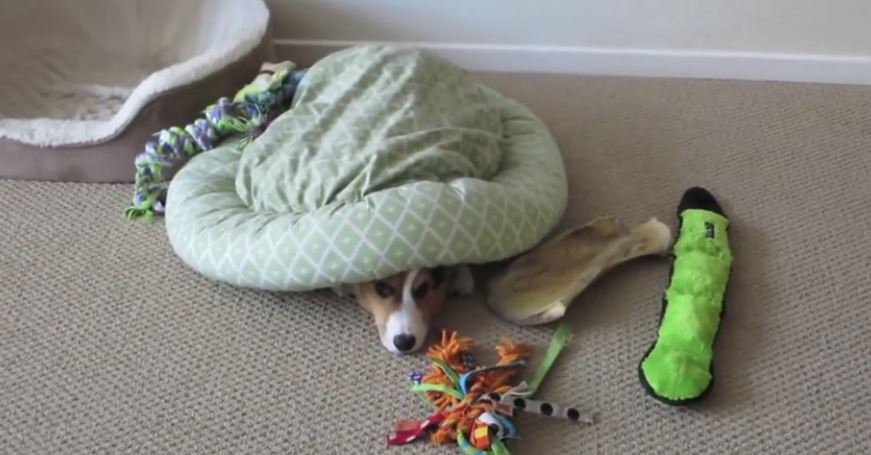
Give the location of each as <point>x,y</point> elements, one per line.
<point>403,305</point>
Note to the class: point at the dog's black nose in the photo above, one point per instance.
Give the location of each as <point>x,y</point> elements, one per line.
<point>404,342</point>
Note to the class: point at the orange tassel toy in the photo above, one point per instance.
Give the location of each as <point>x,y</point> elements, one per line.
<point>472,404</point>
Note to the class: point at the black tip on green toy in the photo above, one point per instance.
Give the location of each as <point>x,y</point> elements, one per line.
<point>701,199</point>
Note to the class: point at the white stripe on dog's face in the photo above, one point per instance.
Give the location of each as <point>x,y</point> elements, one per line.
<point>406,321</point>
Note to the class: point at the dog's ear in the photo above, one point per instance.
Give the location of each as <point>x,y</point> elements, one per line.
<point>438,275</point>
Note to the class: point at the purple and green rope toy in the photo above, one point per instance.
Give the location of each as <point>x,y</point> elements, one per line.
<point>249,112</point>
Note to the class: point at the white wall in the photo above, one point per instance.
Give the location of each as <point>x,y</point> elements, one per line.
<point>819,30</point>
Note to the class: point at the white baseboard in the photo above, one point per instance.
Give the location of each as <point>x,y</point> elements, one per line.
<point>816,68</point>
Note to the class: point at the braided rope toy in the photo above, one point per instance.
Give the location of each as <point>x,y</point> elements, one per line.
<point>473,404</point>
<point>249,112</point>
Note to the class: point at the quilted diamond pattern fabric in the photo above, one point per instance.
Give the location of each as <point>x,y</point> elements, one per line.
<point>389,160</point>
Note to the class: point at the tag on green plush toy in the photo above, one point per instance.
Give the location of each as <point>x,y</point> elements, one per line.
<point>677,369</point>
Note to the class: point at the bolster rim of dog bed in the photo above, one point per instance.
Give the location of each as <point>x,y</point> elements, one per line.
<point>179,66</point>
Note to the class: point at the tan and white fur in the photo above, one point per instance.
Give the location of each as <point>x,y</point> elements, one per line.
<point>403,305</point>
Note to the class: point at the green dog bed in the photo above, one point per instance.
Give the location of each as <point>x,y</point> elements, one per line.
<point>389,159</point>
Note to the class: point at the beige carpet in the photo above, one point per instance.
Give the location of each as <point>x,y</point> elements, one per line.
<point>109,345</point>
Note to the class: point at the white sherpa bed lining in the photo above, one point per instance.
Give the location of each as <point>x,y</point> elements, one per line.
<point>77,73</point>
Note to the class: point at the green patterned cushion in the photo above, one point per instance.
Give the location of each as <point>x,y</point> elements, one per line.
<point>390,159</point>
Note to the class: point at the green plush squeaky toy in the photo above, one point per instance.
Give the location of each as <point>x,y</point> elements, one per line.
<point>677,368</point>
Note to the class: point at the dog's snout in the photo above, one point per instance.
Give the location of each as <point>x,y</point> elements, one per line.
<point>404,342</point>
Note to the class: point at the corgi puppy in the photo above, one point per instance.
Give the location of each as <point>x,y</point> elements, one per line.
<point>403,305</point>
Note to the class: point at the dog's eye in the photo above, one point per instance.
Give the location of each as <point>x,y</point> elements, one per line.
<point>421,291</point>
<point>384,290</point>
<point>438,276</point>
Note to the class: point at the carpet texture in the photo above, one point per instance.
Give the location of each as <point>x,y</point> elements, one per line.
<point>109,345</point>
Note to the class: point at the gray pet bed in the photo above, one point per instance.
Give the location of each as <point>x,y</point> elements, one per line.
<point>84,84</point>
